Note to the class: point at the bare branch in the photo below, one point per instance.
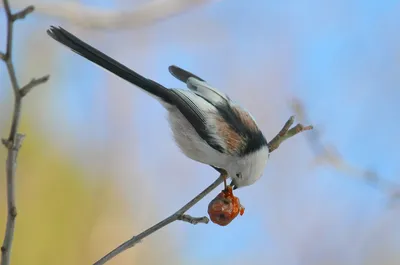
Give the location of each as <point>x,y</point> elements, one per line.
<point>11,164</point>
<point>328,155</point>
<point>91,17</point>
<point>284,134</point>
<point>194,220</point>
<point>14,141</point>
<point>33,83</point>
<point>179,215</point>
<point>23,13</point>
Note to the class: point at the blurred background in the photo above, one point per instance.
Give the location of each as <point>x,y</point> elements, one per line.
<point>99,164</point>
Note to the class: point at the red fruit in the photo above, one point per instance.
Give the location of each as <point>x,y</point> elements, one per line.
<point>225,207</point>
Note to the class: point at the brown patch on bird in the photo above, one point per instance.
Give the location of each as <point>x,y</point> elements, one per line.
<point>246,118</point>
<point>231,138</point>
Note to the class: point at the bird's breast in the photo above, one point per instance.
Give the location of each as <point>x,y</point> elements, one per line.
<point>191,144</point>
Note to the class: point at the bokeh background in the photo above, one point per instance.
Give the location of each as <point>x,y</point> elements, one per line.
<point>99,164</point>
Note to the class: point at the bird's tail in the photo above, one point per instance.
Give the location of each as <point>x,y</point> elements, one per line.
<point>103,60</point>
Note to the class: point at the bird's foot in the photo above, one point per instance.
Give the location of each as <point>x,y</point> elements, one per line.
<point>228,191</point>
<point>225,185</point>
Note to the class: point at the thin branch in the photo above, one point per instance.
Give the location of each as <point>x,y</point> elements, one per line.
<point>330,156</point>
<point>179,215</point>
<point>95,18</point>
<point>194,220</point>
<point>14,140</point>
<point>32,84</point>
<point>11,164</point>
<point>23,13</point>
<point>283,135</point>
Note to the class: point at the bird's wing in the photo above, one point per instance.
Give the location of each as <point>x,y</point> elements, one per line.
<point>199,86</point>
<point>182,74</point>
<point>196,109</point>
<point>243,136</point>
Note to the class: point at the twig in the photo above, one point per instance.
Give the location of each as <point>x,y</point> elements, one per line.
<point>194,220</point>
<point>33,83</point>
<point>179,215</point>
<point>334,159</point>
<point>283,135</point>
<point>95,18</point>
<point>14,140</point>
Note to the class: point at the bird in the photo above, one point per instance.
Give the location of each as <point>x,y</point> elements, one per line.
<point>206,124</point>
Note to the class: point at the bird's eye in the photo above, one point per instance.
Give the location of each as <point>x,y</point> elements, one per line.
<point>239,175</point>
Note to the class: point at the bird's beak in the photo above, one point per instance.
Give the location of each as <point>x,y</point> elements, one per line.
<point>233,185</point>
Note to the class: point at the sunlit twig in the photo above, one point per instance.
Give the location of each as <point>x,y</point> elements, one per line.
<point>14,140</point>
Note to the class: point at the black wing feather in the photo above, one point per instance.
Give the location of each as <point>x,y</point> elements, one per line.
<point>196,117</point>
<point>181,74</point>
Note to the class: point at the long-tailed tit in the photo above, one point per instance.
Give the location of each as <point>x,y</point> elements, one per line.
<point>207,126</point>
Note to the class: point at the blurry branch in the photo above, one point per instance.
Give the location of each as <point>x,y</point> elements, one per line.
<point>91,17</point>
<point>328,155</point>
<point>14,140</point>
<point>283,135</point>
<point>179,215</point>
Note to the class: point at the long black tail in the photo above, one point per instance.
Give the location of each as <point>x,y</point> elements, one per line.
<point>99,58</point>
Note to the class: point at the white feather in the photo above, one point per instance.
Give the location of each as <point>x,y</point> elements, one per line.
<point>193,146</point>
<point>250,166</point>
<point>188,140</point>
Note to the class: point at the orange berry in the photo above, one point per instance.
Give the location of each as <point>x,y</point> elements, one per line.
<point>224,208</point>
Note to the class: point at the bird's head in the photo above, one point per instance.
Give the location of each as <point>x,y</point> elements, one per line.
<point>249,168</point>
